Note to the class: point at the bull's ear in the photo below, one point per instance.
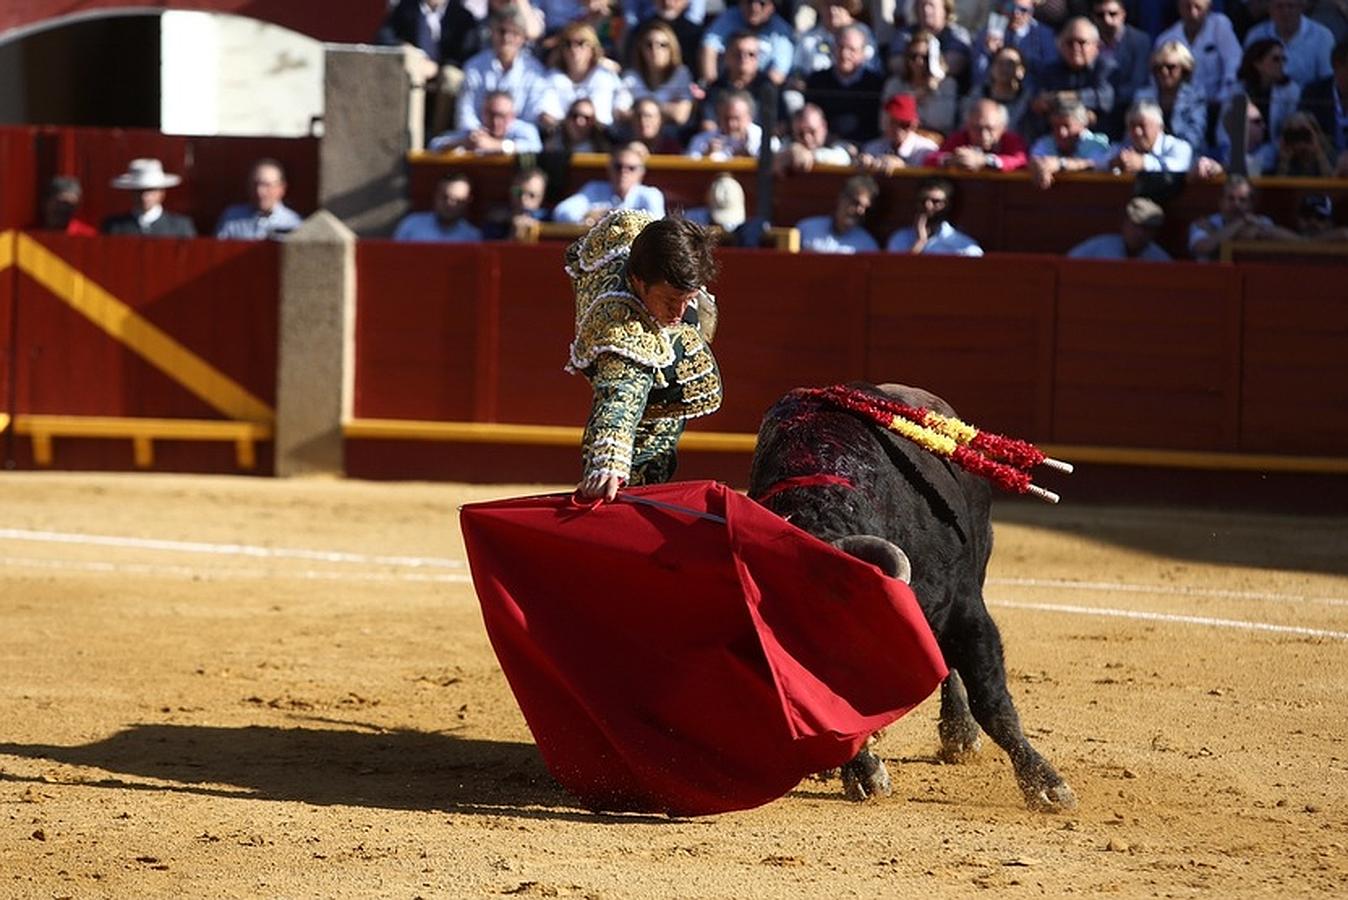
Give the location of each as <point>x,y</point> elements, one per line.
<point>879,552</point>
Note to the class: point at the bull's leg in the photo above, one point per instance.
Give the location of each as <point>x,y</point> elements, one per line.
<point>958,730</point>
<point>973,646</point>
<point>865,775</point>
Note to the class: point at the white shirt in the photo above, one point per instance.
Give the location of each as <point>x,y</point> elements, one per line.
<point>678,87</point>
<point>1307,52</point>
<point>946,241</point>
<point>914,149</point>
<point>601,87</point>
<point>1216,55</point>
<point>149,217</point>
<point>700,145</point>
<point>600,193</point>
<point>816,236</point>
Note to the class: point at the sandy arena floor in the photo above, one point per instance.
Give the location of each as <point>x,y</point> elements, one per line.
<point>202,720</point>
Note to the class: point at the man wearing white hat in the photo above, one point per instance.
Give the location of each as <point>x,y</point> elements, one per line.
<point>148,181</point>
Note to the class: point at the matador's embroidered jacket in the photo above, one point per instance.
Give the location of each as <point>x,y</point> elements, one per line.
<point>648,380</point>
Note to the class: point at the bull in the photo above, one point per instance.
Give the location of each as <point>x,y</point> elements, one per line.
<point>846,480</point>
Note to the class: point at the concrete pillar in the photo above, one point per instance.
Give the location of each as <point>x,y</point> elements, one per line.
<point>372,116</point>
<point>315,377</point>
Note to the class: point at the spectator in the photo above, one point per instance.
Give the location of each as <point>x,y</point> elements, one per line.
<point>578,72</point>
<point>849,92</point>
<point>902,146</point>
<point>1069,146</point>
<point>725,205</point>
<point>736,134</point>
<point>656,70</point>
<point>527,190</point>
<point>983,144</point>
<point>148,182</point>
<point>1315,219</point>
<point>1147,148</point>
<point>1303,149</point>
<point>776,39</point>
<point>1006,83</point>
<point>622,190</point>
<point>1235,220</point>
<point>445,223</point>
<point>686,21</point>
<point>446,35</point>
<point>507,66</point>
<point>843,232</point>
<point>1263,76</point>
<point>922,74</point>
<point>1171,87</point>
<point>1015,28</point>
<point>266,215</point>
<point>815,49</point>
<point>931,231</point>
<point>1080,70</point>
<point>1308,43</point>
<point>647,124</point>
<point>1212,42</point>
<point>499,133</point>
<point>953,44</point>
<point>1260,150</point>
<point>1127,50</point>
<point>1327,100</point>
<point>60,201</point>
<point>811,143</point>
<point>580,131</point>
<point>739,72</point>
<point>1134,240</point>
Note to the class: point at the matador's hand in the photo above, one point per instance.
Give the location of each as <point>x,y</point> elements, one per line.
<point>596,485</point>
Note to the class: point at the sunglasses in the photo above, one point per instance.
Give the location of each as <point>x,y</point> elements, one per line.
<point>1079,41</point>
<point>659,45</point>
<point>580,117</point>
<point>626,167</point>
<point>1167,67</point>
<point>577,42</point>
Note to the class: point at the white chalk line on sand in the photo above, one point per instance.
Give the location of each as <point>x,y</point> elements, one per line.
<point>253,551</point>
<point>333,556</point>
<point>1175,590</point>
<point>211,573</point>
<point>1171,617</point>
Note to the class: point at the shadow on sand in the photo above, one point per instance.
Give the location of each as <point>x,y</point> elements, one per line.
<point>410,770</point>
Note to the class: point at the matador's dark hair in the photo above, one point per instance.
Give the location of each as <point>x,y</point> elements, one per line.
<point>675,251</point>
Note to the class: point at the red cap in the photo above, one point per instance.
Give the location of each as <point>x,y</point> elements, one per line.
<point>902,108</point>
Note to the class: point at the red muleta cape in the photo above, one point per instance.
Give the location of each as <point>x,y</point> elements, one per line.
<point>669,662</point>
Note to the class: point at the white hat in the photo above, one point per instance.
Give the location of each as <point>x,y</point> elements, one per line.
<point>145,175</point>
<point>725,202</point>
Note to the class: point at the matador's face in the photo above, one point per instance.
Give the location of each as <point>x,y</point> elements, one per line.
<point>666,303</point>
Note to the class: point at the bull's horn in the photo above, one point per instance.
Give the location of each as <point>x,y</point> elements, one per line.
<point>879,552</point>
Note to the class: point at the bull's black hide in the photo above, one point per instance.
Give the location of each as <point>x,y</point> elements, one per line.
<point>939,515</point>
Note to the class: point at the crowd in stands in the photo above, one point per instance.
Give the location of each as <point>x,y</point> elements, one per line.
<point>1190,88</point>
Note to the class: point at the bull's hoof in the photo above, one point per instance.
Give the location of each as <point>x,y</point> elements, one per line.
<point>1055,798</point>
<point>865,776</point>
<point>960,747</point>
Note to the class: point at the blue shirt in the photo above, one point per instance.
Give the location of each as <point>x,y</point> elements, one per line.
<point>816,236</point>
<point>523,134</point>
<point>776,39</point>
<point>1091,146</point>
<point>424,226</point>
<point>243,222</point>
<point>946,241</point>
<point>1110,246</point>
<point>1307,52</point>
<point>600,193</point>
<point>526,81</point>
<point>1168,154</point>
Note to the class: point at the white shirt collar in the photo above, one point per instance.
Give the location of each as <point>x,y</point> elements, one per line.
<point>150,216</point>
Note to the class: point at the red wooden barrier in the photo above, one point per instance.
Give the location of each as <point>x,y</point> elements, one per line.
<point>1148,354</point>
<point>1294,353</point>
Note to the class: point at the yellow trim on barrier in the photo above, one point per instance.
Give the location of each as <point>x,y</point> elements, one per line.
<point>142,433</point>
<point>733,442</point>
<point>6,250</point>
<point>140,336</point>
<point>4,422</point>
